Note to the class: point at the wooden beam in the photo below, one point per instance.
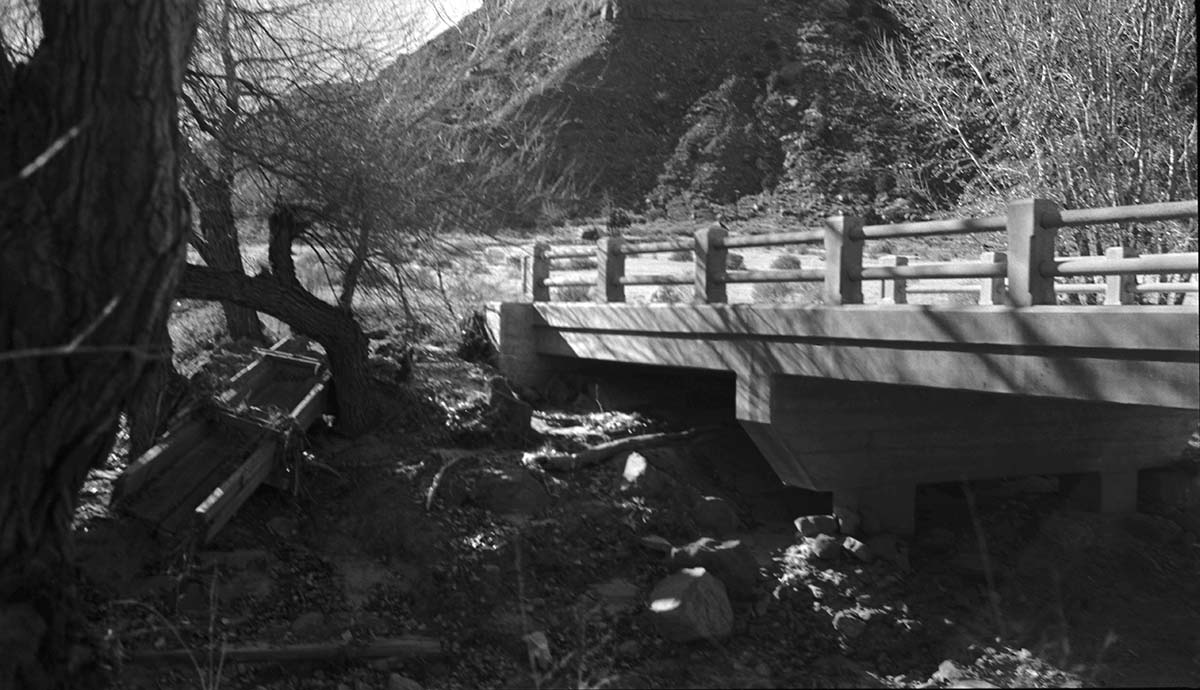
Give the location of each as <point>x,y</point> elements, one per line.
<point>159,460</point>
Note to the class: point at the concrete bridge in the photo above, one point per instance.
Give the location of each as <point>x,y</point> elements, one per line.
<point>869,400</point>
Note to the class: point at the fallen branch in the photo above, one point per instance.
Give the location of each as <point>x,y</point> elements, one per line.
<point>437,478</point>
<point>570,462</point>
<point>403,647</point>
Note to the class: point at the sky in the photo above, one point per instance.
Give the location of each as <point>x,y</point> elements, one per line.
<point>442,14</point>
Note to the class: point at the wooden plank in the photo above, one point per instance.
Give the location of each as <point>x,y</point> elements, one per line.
<point>223,502</point>
<point>156,500</point>
<point>312,405</point>
<point>158,460</point>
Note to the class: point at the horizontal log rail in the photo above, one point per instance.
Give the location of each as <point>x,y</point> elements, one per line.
<point>655,280</point>
<point>774,239</point>
<point>1102,265</point>
<point>1024,275</point>
<point>570,282</point>
<point>962,269</point>
<point>932,228</point>
<point>672,245</point>
<point>1144,213</point>
<point>571,253</point>
<point>800,275</point>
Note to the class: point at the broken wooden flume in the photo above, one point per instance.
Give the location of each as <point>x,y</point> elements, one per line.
<point>202,471</point>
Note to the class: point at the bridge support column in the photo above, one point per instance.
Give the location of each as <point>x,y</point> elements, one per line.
<point>890,509</point>
<point>511,327</point>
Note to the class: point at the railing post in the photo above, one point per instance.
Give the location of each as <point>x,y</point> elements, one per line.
<point>610,268</point>
<point>991,290</point>
<point>539,272</point>
<point>1030,243</point>
<point>843,260</point>
<point>894,291</point>
<point>1121,288</point>
<point>711,262</point>
<point>526,288</point>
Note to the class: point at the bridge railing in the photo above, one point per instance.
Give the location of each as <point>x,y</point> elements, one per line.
<point>1024,275</point>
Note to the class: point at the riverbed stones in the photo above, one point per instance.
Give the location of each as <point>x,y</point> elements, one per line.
<point>691,605</point>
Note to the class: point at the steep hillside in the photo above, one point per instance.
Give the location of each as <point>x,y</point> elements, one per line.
<point>672,106</point>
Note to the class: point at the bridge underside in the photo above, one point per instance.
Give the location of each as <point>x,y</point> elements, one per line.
<point>868,402</point>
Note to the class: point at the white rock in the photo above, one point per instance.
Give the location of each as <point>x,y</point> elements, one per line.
<point>691,605</point>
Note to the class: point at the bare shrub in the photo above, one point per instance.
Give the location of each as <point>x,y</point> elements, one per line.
<point>786,262</point>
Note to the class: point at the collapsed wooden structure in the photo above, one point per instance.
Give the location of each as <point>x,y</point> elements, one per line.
<point>196,478</point>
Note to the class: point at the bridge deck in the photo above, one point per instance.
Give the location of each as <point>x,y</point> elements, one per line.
<point>869,401</point>
<point>1130,355</point>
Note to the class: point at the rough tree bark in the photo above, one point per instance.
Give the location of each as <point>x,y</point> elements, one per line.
<point>92,241</point>
<point>281,295</point>
<point>217,241</point>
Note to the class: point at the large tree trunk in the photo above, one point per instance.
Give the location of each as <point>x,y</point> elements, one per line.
<point>217,241</point>
<point>92,240</point>
<point>279,294</point>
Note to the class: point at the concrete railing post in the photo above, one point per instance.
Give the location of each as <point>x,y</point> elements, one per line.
<point>1121,289</point>
<point>843,260</point>
<point>1030,243</point>
<point>539,272</point>
<point>610,268</point>
<point>894,291</point>
<point>991,290</point>
<point>711,262</point>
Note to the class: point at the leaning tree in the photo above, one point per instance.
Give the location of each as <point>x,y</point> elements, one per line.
<point>92,239</point>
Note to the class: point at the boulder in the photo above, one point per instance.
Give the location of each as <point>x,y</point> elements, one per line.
<point>813,525</point>
<point>824,546</point>
<point>731,561</point>
<point>640,478</point>
<point>857,549</point>
<point>715,514</point>
<point>691,605</point>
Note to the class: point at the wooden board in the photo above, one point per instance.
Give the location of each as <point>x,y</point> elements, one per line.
<point>199,475</point>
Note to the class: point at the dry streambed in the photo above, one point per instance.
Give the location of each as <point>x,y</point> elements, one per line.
<point>432,557</point>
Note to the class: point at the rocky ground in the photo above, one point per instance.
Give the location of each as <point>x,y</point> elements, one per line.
<point>677,566</point>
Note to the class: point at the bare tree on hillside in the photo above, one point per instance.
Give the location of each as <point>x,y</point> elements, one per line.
<point>1090,102</point>
<point>92,227</point>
